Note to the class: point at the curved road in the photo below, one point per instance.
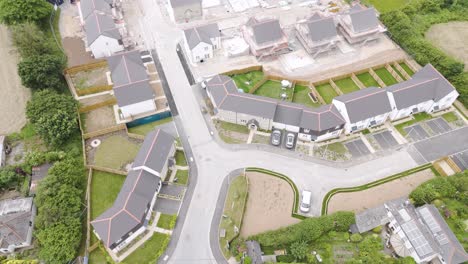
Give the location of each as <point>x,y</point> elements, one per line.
<point>191,239</point>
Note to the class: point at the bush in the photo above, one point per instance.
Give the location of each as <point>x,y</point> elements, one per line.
<point>247,260</point>
<point>299,250</point>
<point>356,238</point>
<point>437,188</point>
<point>16,12</point>
<point>8,178</point>
<point>41,71</point>
<point>30,40</point>
<point>285,258</point>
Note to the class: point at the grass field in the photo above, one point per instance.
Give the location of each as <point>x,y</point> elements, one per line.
<point>327,92</point>
<point>251,78</point>
<point>367,79</point>
<point>387,5</point>
<point>301,96</point>
<point>182,176</point>
<point>115,152</point>
<point>150,251</point>
<point>386,76</point>
<point>233,210</point>
<point>347,85</point>
<point>273,89</point>
<point>407,68</point>
<point>104,189</point>
<point>146,128</point>
<point>166,221</point>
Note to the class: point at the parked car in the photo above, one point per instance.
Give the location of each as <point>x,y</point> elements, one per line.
<point>290,140</point>
<point>276,137</point>
<point>305,201</point>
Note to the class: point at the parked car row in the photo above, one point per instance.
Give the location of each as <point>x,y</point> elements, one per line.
<point>277,136</point>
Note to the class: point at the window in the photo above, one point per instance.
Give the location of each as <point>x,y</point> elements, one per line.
<point>197,58</point>
<point>206,48</point>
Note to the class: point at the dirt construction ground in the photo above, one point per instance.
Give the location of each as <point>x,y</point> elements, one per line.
<point>14,95</point>
<point>269,204</point>
<point>452,38</point>
<point>359,201</point>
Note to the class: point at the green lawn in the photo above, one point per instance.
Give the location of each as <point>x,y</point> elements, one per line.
<point>398,72</point>
<point>301,96</point>
<point>167,221</point>
<point>146,128</point>
<point>273,89</point>
<point>180,158</point>
<point>327,92</point>
<point>104,189</point>
<point>387,5</point>
<point>97,257</point>
<point>450,117</point>
<point>347,85</point>
<point>252,78</point>
<point>417,118</point>
<point>150,251</point>
<point>234,127</point>
<point>367,79</point>
<point>182,176</point>
<point>386,76</point>
<point>337,147</point>
<point>233,210</point>
<point>407,68</point>
<point>115,152</point>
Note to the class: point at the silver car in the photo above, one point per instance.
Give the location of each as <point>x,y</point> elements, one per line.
<point>276,137</point>
<point>290,140</point>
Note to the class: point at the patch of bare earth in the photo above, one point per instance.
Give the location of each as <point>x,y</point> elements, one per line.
<point>99,119</point>
<point>269,204</point>
<point>452,38</point>
<point>14,96</point>
<point>362,200</point>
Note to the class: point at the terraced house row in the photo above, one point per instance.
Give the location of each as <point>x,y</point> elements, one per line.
<point>427,91</point>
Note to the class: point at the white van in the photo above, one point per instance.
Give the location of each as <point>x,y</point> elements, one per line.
<point>305,201</point>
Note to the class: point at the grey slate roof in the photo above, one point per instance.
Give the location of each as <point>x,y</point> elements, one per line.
<point>365,103</point>
<point>288,113</point>
<point>134,93</point>
<point>178,3</point>
<point>89,6</point>
<point>250,104</point>
<point>321,28</point>
<point>154,151</point>
<point>322,118</point>
<point>201,34</point>
<point>426,84</point>
<point>371,218</point>
<point>267,31</point>
<point>363,19</point>
<point>15,217</point>
<point>126,68</point>
<point>100,25</point>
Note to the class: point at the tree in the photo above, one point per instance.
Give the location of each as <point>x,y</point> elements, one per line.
<point>57,127</point>
<point>16,12</point>
<point>299,250</point>
<point>30,40</point>
<point>7,177</point>
<point>41,71</point>
<point>59,241</point>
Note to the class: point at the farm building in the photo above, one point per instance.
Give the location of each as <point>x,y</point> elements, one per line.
<point>16,228</point>
<point>427,91</point>
<point>185,10</point>
<point>129,215</point>
<point>265,37</point>
<point>318,34</point>
<point>131,85</point>
<point>360,24</point>
<point>202,41</point>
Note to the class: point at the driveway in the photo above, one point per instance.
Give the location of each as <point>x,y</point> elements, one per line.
<point>443,145</point>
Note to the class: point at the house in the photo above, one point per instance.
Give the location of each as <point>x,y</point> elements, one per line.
<point>311,124</point>
<point>360,24</point>
<point>427,91</point>
<point>37,175</point>
<point>185,10</point>
<point>318,34</point>
<point>364,108</point>
<point>265,37</point>
<point>129,215</point>
<point>2,151</point>
<point>202,41</point>
<point>131,85</point>
<point>420,233</point>
<point>16,224</point>
<point>88,7</point>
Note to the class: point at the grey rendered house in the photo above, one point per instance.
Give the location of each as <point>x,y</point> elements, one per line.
<point>265,37</point>
<point>318,34</point>
<point>360,24</point>
<point>129,215</point>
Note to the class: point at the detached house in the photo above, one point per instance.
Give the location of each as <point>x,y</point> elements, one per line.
<point>265,37</point>
<point>360,24</point>
<point>202,41</point>
<point>131,85</point>
<point>185,10</point>
<point>427,91</point>
<point>16,224</point>
<point>318,34</point>
<point>364,108</point>
<point>129,215</point>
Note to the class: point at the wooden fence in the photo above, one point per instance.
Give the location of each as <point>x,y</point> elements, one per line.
<point>88,108</point>
<point>93,90</point>
<point>377,78</point>
<point>135,136</point>
<point>104,131</point>
<point>85,67</point>
<point>393,73</point>
<point>244,70</point>
<point>109,170</point>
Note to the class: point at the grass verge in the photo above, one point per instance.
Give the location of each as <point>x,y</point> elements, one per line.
<point>150,251</point>
<point>180,158</point>
<point>450,117</point>
<point>182,176</point>
<point>167,221</point>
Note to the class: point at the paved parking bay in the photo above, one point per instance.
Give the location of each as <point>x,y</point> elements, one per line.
<point>173,190</point>
<point>416,132</point>
<point>357,148</point>
<point>167,206</point>
<point>439,125</point>
<point>446,144</point>
<point>385,139</point>
<point>461,159</point>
